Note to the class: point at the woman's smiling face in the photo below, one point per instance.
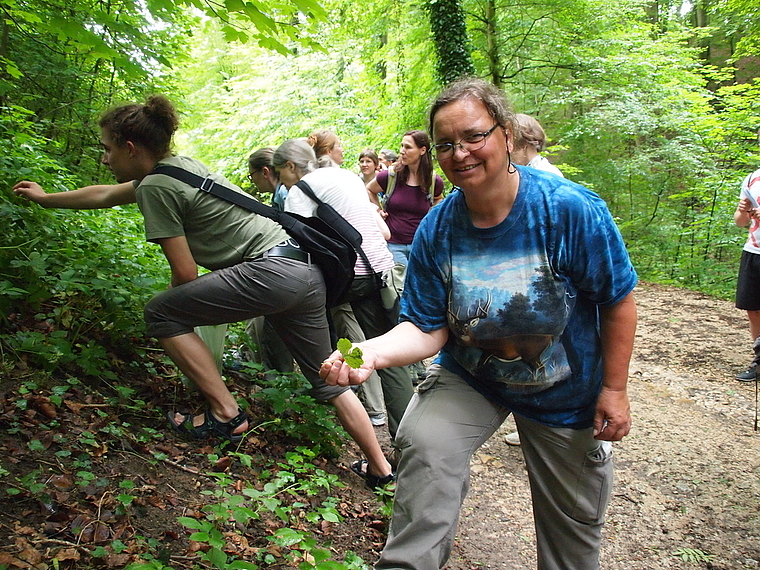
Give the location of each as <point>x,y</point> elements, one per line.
<point>367,165</point>
<point>469,170</point>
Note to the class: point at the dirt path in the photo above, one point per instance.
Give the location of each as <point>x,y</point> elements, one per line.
<point>687,476</point>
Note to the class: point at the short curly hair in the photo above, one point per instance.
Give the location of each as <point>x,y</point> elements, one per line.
<point>492,97</point>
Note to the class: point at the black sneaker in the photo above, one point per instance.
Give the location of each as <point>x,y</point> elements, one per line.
<point>749,375</point>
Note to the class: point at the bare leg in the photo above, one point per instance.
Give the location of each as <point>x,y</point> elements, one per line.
<point>194,359</point>
<point>754,323</point>
<point>353,417</point>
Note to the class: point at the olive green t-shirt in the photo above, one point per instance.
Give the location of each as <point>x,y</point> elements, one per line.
<point>219,233</point>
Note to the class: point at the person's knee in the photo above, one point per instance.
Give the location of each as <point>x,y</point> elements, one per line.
<point>325,394</point>
<point>158,323</point>
<point>426,445</point>
<point>151,317</point>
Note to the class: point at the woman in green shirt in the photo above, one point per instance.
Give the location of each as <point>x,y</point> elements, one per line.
<point>256,269</point>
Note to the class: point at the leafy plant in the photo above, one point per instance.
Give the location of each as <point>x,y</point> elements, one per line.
<point>277,493</point>
<point>84,275</point>
<point>693,555</point>
<point>351,354</point>
<point>385,495</point>
<point>299,415</point>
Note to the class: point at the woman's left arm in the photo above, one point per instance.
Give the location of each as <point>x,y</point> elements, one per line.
<point>612,420</point>
<point>373,189</point>
<point>380,221</point>
<point>180,258</point>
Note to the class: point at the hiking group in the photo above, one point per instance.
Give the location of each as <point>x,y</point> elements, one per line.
<point>517,284</point>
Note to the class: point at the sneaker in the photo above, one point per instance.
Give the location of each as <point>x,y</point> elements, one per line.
<point>748,375</point>
<point>377,420</point>
<point>512,438</point>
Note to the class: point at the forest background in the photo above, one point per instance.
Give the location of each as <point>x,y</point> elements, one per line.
<point>655,105</point>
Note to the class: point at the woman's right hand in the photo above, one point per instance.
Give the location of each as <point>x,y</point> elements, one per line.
<point>87,198</point>
<point>30,190</point>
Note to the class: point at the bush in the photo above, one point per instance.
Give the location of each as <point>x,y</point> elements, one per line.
<point>74,282</point>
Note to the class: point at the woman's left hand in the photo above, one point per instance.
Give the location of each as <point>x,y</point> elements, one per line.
<point>612,420</point>
<point>336,372</point>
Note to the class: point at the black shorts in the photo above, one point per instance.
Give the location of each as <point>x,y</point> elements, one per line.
<point>748,283</point>
<point>289,292</point>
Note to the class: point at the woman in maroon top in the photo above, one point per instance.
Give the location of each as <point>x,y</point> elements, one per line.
<point>415,190</point>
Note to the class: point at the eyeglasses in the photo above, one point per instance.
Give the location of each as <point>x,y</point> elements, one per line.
<point>472,142</point>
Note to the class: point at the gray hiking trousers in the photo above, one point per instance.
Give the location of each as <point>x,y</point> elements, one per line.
<point>290,293</point>
<point>446,422</point>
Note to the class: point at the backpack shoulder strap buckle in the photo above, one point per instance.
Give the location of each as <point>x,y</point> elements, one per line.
<point>206,185</point>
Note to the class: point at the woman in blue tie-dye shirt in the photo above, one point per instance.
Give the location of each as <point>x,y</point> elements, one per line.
<point>521,283</point>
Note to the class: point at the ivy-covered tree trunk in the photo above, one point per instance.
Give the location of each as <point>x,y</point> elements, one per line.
<point>491,34</point>
<point>452,45</point>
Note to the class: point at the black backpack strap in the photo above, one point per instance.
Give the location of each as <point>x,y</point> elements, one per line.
<point>334,253</point>
<point>219,190</point>
<point>337,221</point>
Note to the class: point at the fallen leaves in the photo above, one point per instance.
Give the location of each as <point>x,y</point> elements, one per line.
<point>88,530</point>
<point>66,554</point>
<point>94,481</point>
<point>10,561</point>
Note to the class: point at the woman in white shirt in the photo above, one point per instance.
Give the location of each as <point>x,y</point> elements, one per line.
<point>530,142</point>
<point>295,160</point>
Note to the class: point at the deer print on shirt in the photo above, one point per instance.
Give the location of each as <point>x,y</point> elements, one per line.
<point>517,347</point>
<point>462,326</point>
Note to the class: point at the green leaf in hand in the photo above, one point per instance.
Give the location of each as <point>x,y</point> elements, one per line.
<point>351,354</point>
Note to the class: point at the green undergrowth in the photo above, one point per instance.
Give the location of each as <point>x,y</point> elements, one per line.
<point>92,479</point>
<point>91,475</point>
<point>72,283</point>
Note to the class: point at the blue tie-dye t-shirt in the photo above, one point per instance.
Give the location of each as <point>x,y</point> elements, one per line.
<point>521,299</point>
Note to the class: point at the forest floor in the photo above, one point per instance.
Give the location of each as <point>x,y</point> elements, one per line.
<point>687,491</point>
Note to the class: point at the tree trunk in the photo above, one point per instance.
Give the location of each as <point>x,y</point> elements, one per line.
<point>492,45</point>
<point>452,44</point>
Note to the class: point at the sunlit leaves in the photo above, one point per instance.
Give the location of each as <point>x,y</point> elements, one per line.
<point>748,11</point>
<point>351,354</point>
<point>271,24</point>
<point>371,85</point>
<point>10,68</point>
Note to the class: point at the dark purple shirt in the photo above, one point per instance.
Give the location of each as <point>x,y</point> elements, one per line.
<point>406,207</point>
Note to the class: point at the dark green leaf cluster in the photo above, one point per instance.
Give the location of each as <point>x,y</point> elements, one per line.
<point>72,284</point>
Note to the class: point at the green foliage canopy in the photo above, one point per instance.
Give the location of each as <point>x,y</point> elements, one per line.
<point>642,103</point>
